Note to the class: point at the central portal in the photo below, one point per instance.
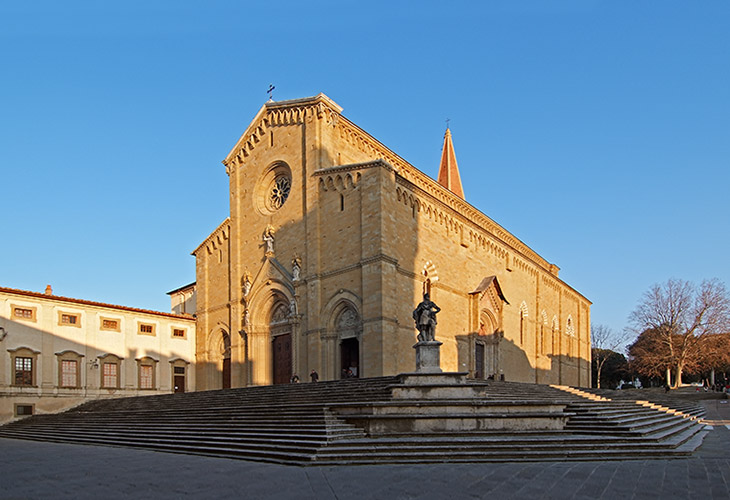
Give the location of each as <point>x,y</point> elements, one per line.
<point>350,356</point>
<point>282,358</point>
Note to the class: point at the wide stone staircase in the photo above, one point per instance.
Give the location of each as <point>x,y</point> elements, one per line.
<point>361,422</point>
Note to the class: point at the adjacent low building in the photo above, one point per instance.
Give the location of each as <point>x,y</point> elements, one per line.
<point>57,352</point>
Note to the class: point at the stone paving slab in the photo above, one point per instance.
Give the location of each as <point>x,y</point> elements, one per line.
<point>33,470</point>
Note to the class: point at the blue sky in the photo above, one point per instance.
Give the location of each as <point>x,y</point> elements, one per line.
<point>597,132</point>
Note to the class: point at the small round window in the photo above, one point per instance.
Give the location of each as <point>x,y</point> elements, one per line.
<point>273,188</point>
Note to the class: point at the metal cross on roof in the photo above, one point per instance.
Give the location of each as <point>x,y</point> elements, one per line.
<point>271,92</point>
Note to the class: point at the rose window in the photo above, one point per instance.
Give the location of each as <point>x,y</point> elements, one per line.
<point>273,188</point>
<point>279,192</point>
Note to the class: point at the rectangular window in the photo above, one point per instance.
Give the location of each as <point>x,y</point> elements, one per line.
<point>110,375</point>
<point>178,332</point>
<point>145,329</point>
<point>179,370</point>
<point>22,312</point>
<point>145,377</point>
<point>23,371</point>
<point>69,319</point>
<point>110,324</point>
<point>69,373</point>
<point>23,410</point>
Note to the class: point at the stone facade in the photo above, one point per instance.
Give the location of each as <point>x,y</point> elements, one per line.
<point>58,352</point>
<point>331,241</point>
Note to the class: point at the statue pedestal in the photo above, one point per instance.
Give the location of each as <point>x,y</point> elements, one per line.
<point>428,357</point>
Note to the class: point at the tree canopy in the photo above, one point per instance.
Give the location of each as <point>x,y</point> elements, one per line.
<point>677,324</point>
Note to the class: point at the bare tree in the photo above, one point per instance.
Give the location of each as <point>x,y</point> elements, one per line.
<point>681,316</point>
<point>604,342</point>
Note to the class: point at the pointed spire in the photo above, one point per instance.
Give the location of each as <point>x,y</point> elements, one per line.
<point>449,170</point>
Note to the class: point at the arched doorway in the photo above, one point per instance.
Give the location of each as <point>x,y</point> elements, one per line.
<point>281,343</point>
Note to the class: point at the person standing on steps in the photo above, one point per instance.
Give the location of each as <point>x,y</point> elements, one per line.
<point>314,376</point>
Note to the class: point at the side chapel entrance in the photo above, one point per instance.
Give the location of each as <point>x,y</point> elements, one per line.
<point>479,361</point>
<point>479,351</point>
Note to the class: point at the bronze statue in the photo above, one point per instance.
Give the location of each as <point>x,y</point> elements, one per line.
<point>425,317</point>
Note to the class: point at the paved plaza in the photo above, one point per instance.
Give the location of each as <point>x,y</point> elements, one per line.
<point>47,470</point>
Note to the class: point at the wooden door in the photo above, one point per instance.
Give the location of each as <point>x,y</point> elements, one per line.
<point>282,358</point>
<point>226,373</point>
<point>479,361</point>
<point>179,383</point>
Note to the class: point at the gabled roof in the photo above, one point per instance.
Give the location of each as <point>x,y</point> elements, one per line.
<point>219,229</point>
<point>448,169</point>
<point>252,132</point>
<point>486,282</point>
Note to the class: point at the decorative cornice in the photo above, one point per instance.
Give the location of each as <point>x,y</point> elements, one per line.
<point>369,260</point>
<point>221,229</point>
<point>276,114</point>
<point>381,257</point>
<point>354,166</point>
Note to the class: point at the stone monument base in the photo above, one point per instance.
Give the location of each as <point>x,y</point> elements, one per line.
<point>428,357</point>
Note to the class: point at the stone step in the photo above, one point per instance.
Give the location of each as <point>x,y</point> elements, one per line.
<point>511,455</point>
<point>646,431</point>
<point>270,453</point>
<point>309,423</point>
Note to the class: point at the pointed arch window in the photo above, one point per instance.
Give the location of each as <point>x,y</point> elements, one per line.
<point>570,332</point>
<point>523,321</point>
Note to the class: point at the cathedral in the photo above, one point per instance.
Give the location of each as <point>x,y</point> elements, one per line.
<point>332,240</point>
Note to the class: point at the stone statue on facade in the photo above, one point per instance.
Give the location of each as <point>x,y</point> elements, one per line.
<point>292,307</point>
<point>268,238</point>
<point>246,284</point>
<point>425,318</point>
<point>296,268</point>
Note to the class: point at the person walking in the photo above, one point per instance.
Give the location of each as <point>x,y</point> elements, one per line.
<point>314,376</point>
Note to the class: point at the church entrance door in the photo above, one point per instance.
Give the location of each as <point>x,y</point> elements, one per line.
<point>479,361</point>
<point>226,373</point>
<point>350,356</point>
<point>282,359</point>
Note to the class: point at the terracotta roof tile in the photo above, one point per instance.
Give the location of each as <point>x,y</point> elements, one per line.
<point>27,293</point>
